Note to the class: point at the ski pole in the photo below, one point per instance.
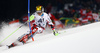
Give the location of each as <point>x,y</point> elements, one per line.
<point>12,32</point>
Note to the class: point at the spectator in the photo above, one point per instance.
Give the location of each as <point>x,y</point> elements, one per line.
<point>95,17</point>
<point>89,15</point>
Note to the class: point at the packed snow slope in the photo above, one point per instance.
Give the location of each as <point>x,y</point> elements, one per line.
<point>83,39</point>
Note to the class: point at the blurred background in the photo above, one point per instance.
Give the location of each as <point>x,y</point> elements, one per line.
<point>77,12</point>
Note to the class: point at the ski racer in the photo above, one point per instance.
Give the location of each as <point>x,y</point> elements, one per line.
<point>39,20</point>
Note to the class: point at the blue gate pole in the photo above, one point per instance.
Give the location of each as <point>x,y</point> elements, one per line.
<point>29,17</point>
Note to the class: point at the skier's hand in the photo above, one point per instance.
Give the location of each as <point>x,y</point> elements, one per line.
<point>55,33</point>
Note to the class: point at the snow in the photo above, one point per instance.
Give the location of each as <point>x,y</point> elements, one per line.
<point>82,39</point>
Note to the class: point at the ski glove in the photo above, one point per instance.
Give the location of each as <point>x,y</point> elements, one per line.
<point>55,33</point>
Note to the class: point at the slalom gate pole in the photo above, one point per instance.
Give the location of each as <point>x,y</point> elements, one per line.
<point>12,33</point>
<point>29,18</point>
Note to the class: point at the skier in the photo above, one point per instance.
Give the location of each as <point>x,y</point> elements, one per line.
<point>39,20</point>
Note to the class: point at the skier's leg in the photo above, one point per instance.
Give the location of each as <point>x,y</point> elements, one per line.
<point>21,40</point>
<point>18,41</point>
<point>28,36</point>
<point>34,31</point>
<point>40,30</point>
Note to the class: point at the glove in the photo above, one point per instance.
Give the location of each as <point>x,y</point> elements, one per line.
<point>55,33</point>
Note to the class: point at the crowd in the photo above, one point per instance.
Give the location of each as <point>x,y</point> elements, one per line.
<point>78,12</point>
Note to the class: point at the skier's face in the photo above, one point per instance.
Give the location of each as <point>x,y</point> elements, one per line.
<point>39,13</point>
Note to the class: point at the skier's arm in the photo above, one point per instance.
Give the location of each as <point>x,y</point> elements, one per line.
<point>52,26</point>
<point>54,31</point>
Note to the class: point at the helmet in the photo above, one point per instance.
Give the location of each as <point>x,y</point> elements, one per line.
<point>39,9</point>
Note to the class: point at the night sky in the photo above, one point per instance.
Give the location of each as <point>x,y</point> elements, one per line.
<point>10,9</point>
